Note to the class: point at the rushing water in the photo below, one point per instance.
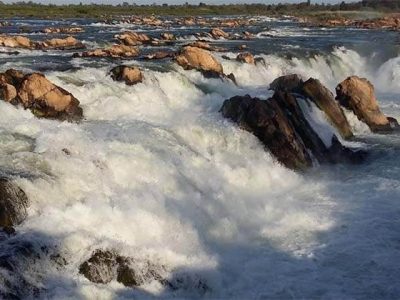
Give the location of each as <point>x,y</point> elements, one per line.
<point>157,173</point>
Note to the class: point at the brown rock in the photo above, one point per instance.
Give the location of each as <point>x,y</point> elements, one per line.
<point>196,58</point>
<point>324,99</point>
<point>64,30</point>
<point>219,33</point>
<point>13,203</point>
<point>357,94</point>
<point>246,57</point>
<point>131,75</point>
<point>113,51</point>
<point>67,43</point>
<point>42,97</point>
<point>16,42</point>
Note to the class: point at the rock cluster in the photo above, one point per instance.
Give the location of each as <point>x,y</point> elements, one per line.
<point>116,51</point>
<point>25,43</point>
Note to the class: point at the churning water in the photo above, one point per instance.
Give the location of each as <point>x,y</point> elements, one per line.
<point>157,173</point>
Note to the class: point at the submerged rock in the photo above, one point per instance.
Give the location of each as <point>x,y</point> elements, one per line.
<point>104,266</point>
<point>131,75</point>
<point>37,93</point>
<point>357,94</point>
<point>159,55</point>
<point>199,59</point>
<point>13,203</point>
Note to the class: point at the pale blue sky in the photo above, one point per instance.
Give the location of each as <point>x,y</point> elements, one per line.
<point>177,1</point>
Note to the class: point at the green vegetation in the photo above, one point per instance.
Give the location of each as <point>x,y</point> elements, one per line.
<point>31,9</point>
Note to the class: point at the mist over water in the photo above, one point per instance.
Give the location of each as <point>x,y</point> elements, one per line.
<point>157,173</point>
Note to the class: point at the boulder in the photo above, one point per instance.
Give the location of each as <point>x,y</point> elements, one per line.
<point>357,94</point>
<point>37,93</point>
<point>218,33</point>
<point>131,75</point>
<point>101,267</point>
<point>280,124</point>
<point>246,57</point>
<point>115,51</point>
<point>130,38</point>
<point>199,59</point>
<point>13,203</point>
<point>325,100</point>
<point>267,121</point>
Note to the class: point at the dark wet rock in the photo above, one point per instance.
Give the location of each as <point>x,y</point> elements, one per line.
<point>325,100</point>
<point>13,204</point>
<point>267,121</point>
<point>130,75</point>
<point>35,92</point>
<point>287,83</point>
<point>101,267</point>
<point>115,51</point>
<point>358,95</point>
<point>280,124</point>
<point>105,266</point>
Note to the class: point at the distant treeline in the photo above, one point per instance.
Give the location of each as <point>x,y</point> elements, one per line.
<point>31,9</point>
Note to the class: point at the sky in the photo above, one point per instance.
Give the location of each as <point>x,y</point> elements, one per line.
<point>177,1</point>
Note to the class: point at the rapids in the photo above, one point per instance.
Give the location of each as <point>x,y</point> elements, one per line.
<point>156,172</point>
